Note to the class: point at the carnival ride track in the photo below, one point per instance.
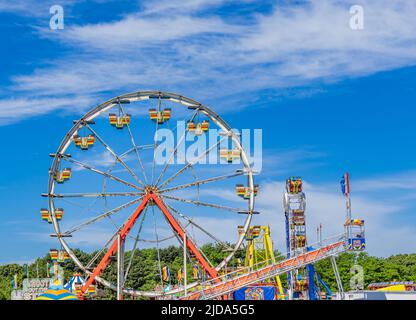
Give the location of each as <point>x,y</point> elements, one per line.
<point>214,288</point>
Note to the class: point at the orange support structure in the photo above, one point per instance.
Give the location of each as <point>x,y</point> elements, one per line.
<point>150,196</point>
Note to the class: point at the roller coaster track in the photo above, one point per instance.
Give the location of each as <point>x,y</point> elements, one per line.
<point>213,288</point>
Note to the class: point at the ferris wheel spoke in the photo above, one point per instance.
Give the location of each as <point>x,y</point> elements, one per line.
<point>180,240</point>
<point>134,146</point>
<point>155,142</point>
<point>201,182</point>
<point>106,174</point>
<point>116,156</point>
<point>205,204</point>
<point>198,248</point>
<point>101,216</point>
<point>138,147</point>
<point>115,162</point>
<point>133,251</point>
<point>157,246</point>
<point>190,220</point>
<point>96,195</point>
<point>175,150</point>
<point>101,251</point>
<point>189,164</point>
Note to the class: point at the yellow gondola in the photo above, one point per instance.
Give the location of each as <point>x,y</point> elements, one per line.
<point>301,285</point>
<point>160,116</point>
<point>62,176</point>
<point>255,231</point>
<point>300,241</point>
<point>245,192</point>
<point>294,185</point>
<point>47,217</point>
<point>119,121</point>
<point>92,290</point>
<point>298,217</point>
<point>84,143</point>
<point>252,232</point>
<point>54,254</point>
<point>230,155</point>
<point>355,222</point>
<point>59,212</point>
<point>198,128</point>
<point>59,256</point>
<point>77,288</point>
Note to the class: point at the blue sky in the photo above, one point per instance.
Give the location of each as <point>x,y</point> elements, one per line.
<point>328,99</point>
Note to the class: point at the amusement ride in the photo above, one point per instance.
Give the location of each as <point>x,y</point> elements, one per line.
<point>109,192</point>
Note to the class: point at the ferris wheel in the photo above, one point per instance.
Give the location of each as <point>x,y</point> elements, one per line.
<point>116,185</point>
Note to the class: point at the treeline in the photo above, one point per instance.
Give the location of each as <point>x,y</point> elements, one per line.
<point>144,273</point>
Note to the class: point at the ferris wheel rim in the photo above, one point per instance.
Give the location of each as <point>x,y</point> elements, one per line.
<point>141,96</point>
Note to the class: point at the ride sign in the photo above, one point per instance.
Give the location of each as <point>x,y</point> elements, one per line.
<point>32,288</point>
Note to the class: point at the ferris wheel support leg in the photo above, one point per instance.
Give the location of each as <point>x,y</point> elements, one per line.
<point>337,278</point>
<point>120,267</point>
<point>189,244</point>
<point>105,261</point>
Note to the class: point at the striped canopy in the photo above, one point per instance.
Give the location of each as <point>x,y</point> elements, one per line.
<point>76,279</point>
<point>57,292</point>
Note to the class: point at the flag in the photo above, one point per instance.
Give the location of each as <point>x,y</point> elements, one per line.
<point>26,270</point>
<point>195,272</point>
<point>165,273</point>
<point>14,281</point>
<point>345,184</point>
<point>180,275</point>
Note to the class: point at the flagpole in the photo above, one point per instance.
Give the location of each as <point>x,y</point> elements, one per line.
<point>319,232</point>
<point>347,202</point>
<point>184,264</point>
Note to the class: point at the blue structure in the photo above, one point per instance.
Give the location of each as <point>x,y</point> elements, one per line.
<point>289,278</point>
<point>255,293</point>
<point>314,280</point>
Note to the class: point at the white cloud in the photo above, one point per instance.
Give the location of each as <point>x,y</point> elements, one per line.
<point>167,6</point>
<point>33,8</point>
<point>399,182</point>
<point>15,109</point>
<point>133,32</point>
<point>214,59</point>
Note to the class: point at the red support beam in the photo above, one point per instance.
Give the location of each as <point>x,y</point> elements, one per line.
<point>105,261</point>
<point>189,244</point>
<point>149,197</point>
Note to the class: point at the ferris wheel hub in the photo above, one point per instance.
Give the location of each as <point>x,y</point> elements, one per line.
<point>150,189</point>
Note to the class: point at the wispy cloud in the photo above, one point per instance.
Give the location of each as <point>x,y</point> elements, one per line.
<point>16,109</point>
<point>33,8</point>
<point>181,6</point>
<point>214,58</point>
<point>399,182</point>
